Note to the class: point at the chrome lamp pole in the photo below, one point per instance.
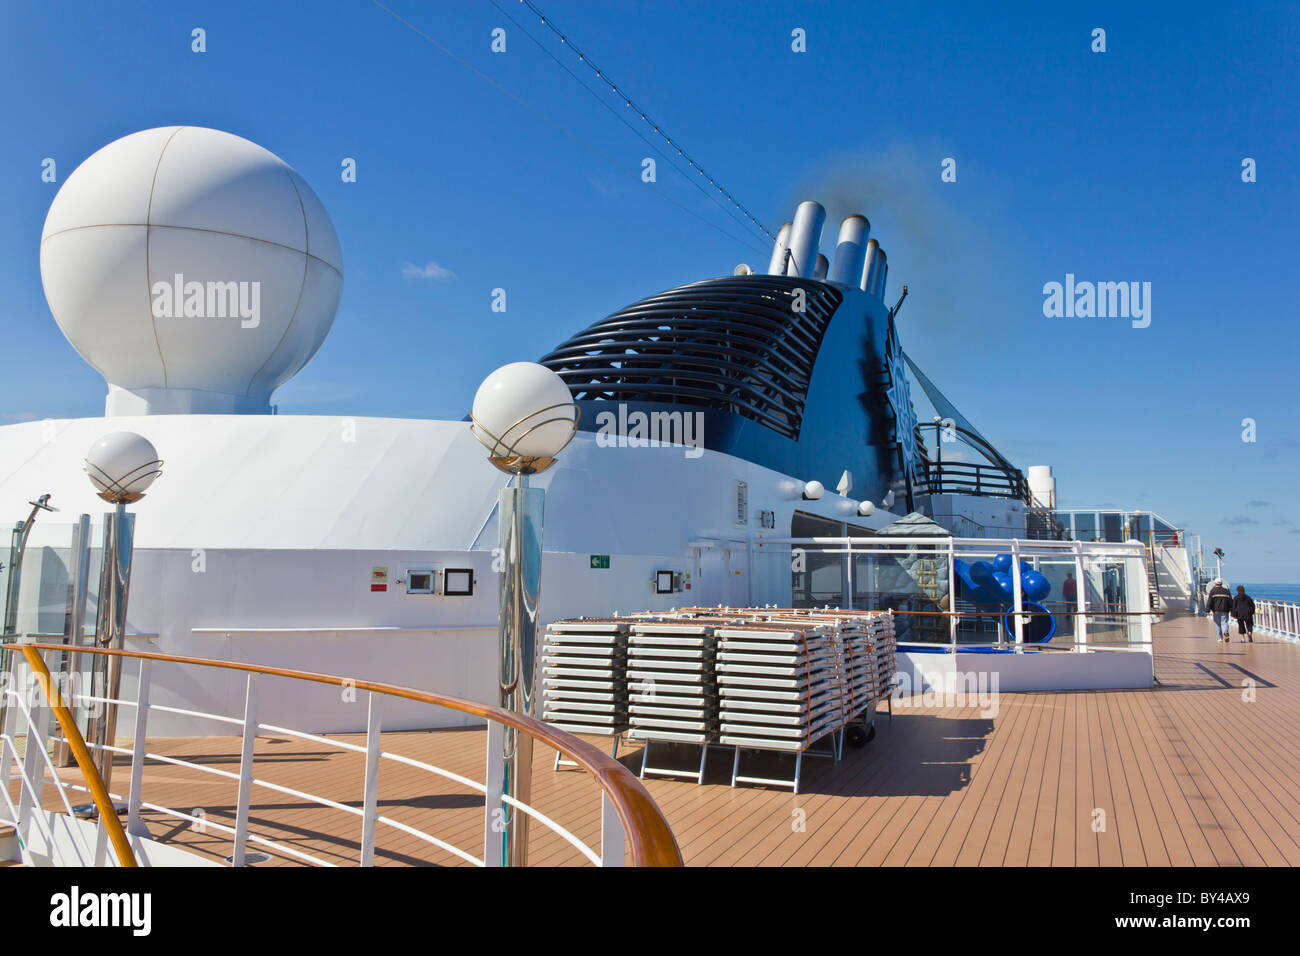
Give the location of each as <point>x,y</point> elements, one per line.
<point>121,466</point>
<point>524,415</point>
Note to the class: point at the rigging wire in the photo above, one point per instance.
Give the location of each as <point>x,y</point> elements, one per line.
<point>622,119</point>
<point>614,87</point>
<point>547,119</point>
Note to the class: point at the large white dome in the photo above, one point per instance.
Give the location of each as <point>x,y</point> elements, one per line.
<point>195,270</point>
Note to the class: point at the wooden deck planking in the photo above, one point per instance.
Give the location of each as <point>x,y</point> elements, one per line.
<point>1187,773</point>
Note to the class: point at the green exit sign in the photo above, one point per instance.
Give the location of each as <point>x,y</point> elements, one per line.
<point>600,561</point>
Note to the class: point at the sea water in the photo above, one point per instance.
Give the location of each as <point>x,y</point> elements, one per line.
<point>1270,592</point>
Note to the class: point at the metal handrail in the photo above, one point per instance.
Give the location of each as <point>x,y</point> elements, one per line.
<point>1278,617</point>
<point>650,841</point>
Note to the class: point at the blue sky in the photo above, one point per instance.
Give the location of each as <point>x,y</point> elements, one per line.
<point>1115,166</point>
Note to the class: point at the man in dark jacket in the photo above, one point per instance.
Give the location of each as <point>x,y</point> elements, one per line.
<point>1219,604</point>
<point>1243,609</point>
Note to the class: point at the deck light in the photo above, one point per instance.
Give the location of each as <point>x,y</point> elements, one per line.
<point>121,466</point>
<point>813,490</point>
<point>866,509</point>
<point>524,415</point>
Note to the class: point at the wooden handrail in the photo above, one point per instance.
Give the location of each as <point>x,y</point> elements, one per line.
<point>98,792</point>
<point>650,839</point>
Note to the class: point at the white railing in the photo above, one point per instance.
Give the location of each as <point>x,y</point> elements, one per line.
<point>1281,618</point>
<point>630,821</point>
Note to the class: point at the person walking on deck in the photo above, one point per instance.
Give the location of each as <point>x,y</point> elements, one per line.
<point>1243,609</point>
<point>1219,605</point>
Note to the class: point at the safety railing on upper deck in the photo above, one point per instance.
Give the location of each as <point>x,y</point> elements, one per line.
<point>632,827</point>
<point>1281,618</point>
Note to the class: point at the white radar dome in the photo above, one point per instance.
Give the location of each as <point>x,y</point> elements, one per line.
<point>193,269</point>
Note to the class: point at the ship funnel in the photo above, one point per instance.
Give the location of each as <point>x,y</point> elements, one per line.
<point>823,266</point>
<point>850,250</point>
<point>873,276</point>
<point>777,266</point>
<point>869,263</point>
<point>805,236</point>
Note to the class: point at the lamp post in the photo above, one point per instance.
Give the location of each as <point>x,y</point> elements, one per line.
<point>524,415</point>
<point>121,466</point>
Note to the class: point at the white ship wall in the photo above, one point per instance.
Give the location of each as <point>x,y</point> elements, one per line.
<point>1174,574</point>
<point>258,541</point>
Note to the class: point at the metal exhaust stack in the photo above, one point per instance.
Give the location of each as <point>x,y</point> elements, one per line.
<point>777,266</point>
<point>823,266</point>
<point>869,264</point>
<point>873,275</point>
<point>850,250</point>
<point>805,236</point>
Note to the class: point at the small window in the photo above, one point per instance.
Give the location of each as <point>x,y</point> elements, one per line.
<point>664,581</point>
<point>421,581</point>
<point>458,582</point>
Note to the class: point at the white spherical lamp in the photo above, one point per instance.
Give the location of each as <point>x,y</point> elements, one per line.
<point>195,270</point>
<point>524,415</point>
<point>866,509</point>
<point>122,466</point>
<point>813,490</point>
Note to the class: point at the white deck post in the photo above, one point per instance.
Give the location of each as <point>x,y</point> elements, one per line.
<point>245,772</point>
<point>493,808</point>
<point>374,728</point>
<point>952,592</point>
<point>134,825</point>
<point>8,712</point>
<point>1080,600</point>
<point>848,572</point>
<point>32,765</point>
<point>1017,597</point>
<point>613,839</point>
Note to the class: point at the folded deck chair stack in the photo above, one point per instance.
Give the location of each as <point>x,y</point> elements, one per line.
<point>672,691</point>
<point>584,676</point>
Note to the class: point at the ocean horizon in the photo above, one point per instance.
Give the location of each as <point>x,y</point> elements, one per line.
<point>1269,592</point>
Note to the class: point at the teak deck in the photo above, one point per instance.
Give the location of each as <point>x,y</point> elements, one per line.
<point>1186,773</point>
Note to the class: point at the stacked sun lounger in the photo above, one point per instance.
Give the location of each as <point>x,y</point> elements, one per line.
<point>865,643</point>
<point>881,628</point>
<point>779,685</point>
<point>584,676</point>
<point>672,688</point>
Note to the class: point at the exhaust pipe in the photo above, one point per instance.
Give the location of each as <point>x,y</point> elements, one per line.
<point>822,267</point>
<point>870,263</point>
<point>873,276</point>
<point>805,236</point>
<point>779,249</point>
<point>850,250</point>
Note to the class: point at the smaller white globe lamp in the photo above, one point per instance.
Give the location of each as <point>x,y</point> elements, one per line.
<point>813,490</point>
<point>122,466</point>
<point>866,509</point>
<point>524,415</point>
